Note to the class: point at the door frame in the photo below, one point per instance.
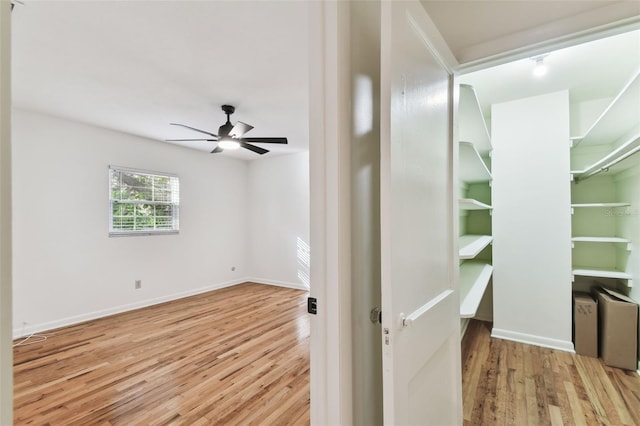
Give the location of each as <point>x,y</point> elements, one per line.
<point>331,366</point>
<point>6,344</point>
<point>330,103</point>
<point>330,112</point>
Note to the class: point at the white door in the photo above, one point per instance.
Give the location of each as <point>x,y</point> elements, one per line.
<point>420,309</point>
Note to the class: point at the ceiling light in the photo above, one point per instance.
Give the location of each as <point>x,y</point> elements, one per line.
<point>540,69</point>
<point>228,144</point>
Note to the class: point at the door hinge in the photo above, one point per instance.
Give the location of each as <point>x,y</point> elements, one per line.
<point>312,305</point>
<point>375,316</point>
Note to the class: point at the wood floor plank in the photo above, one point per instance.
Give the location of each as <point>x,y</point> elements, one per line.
<point>230,356</point>
<point>519,384</point>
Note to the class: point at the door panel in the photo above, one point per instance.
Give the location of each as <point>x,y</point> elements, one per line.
<point>421,336</point>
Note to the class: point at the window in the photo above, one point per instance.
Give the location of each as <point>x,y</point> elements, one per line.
<point>142,202</point>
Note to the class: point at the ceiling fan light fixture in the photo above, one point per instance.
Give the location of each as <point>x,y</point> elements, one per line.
<point>228,144</point>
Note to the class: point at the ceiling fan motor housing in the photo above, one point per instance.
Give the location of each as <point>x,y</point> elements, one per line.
<point>228,109</point>
<point>224,130</point>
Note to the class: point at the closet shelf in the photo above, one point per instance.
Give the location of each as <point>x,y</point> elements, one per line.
<point>585,271</point>
<point>629,146</point>
<point>474,278</point>
<point>600,240</point>
<point>473,127</point>
<point>469,246</point>
<point>471,204</point>
<point>597,205</point>
<point>472,167</point>
<point>617,118</point>
<point>616,240</point>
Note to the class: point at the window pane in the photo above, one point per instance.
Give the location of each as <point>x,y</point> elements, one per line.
<point>164,210</point>
<point>141,201</point>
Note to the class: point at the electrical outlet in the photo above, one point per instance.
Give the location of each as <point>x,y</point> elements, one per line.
<point>138,284</point>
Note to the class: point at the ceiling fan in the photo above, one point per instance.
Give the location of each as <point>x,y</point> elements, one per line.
<point>230,136</point>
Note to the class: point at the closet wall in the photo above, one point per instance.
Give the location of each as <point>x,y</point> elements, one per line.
<point>531,220</point>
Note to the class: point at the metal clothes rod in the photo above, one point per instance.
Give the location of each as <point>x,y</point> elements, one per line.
<point>612,163</point>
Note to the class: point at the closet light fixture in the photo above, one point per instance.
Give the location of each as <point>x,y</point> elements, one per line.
<point>540,68</point>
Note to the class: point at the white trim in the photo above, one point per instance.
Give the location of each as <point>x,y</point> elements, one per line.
<point>6,352</point>
<point>286,284</point>
<point>319,351</point>
<point>531,339</point>
<point>63,322</point>
<point>464,326</point>
<point>142,171</point>
<point>329,133</point>
<point>478,57</point>
<point>483,318</point>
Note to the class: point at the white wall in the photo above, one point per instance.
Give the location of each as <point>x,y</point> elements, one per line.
<point>532,221</point>
<point>67,268</point>
<point>278,220</point>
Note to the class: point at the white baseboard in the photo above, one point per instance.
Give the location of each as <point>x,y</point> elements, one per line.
<point>297,286</point>
<point>485,318</point>
<point>63,322</point>
<point>464,325</point>
<point>533,340</point>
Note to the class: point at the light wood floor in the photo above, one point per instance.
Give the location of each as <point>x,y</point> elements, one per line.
<point>508,383</point>
<point>233,356</point>
<point>241,356</point>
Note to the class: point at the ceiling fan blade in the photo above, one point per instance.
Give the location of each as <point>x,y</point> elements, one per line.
<point>266,140</point>
<point>253,148</point>
<point>197,130</point>
<point>216,150</point>
<point>190,140</point>
<point>240,129</point>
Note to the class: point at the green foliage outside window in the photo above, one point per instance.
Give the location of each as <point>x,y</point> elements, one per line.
<point>143,202</point>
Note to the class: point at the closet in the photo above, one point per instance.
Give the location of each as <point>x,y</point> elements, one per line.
<point>474,204</point>
<point>600,237</point>
<point>549,190</point>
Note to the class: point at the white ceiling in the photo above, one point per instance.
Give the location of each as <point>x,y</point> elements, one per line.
<point>136,66</point>
<point>593,70</point>
<point>480,29</point>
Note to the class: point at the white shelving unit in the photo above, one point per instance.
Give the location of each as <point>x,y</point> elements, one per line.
<point>474,279</point>
<point>615,134</point>
<point>471,204</point>
<point>600,240</point>
<point>629,146</point>
<point>475,143</point>
<point>473,127</point>
<point>617,129</point>
<point>472,166</point>
<point>615,121</point>
<point>471,245</point>
<point>587,271</point>
<point>599,205</point>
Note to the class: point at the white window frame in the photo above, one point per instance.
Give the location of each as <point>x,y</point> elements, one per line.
<point>175,203</point>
